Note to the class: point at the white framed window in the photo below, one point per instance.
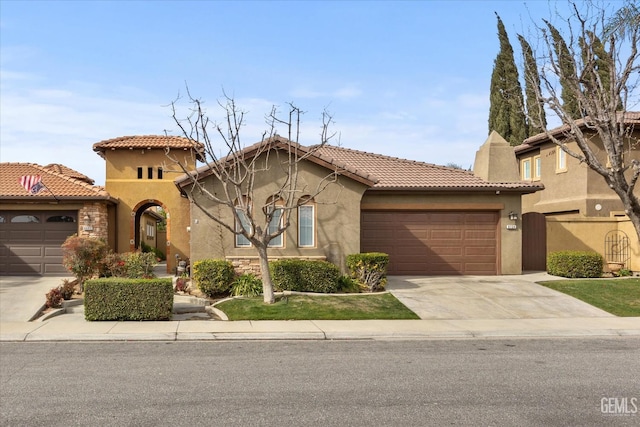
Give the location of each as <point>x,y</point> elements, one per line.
<point>274,224</point>
<point>561,160</point>
<point>537,167</point>
<point>306,226</point>
<point>525,169</point>
<point>242,222</point>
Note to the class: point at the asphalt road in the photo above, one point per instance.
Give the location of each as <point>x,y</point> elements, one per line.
<point>330,383</point>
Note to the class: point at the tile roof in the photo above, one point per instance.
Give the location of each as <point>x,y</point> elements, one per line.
<point>383,172</point>
<point>400,174</point>
<point>61,183</point>
<point>630,118</point>
<point>146,142</point>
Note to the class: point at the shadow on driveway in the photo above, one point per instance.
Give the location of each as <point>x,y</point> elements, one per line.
<point>21,297</point>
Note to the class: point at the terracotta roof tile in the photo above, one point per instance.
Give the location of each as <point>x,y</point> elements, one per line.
<point>61,182</point>
<point>630,118</point>
<point>64,170</point>
<point>395,173</point>
<point>146,142</point>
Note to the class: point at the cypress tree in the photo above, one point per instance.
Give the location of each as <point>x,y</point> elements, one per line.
<point>536,117</point>
<point>506,110</point>
<point>567,73</point>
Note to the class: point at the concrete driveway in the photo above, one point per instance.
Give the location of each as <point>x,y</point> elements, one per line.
<point>21,297</point>
<point>487,297</point>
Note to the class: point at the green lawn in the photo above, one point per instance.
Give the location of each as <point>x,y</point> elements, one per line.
<point>620,297</point>
<point>318,307</point>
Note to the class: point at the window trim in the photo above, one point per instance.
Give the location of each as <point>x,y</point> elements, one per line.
<point>537,168</point>
<point>312,206</point>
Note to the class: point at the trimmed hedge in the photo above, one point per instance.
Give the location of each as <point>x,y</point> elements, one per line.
<point>304,275</point>
<point>574,264</point>
<point>213,276</point>
<point>116,298</point>
<point>369,269</point>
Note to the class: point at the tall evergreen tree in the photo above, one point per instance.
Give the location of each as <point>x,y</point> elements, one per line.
<point>536,117</point>
<point>506,111</point>
<point>567,73</point>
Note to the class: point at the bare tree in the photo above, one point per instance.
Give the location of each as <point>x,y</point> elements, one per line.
<point>597,62</point>
<point>236,173</point>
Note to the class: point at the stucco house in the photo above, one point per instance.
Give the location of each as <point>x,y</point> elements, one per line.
<point>430,219</point>
<point>34,226</point>
<point>576,210</point>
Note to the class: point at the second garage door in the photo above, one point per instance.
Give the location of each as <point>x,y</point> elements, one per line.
<point>433,243</point>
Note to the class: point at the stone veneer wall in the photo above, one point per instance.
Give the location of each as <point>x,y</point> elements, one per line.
<point>251,264</point>
<point>93,221</point>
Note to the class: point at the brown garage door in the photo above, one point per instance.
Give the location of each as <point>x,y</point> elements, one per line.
<point>31,241</point>
<point>433,243</point>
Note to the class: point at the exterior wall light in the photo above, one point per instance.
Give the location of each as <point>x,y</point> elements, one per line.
<point>513,216</point>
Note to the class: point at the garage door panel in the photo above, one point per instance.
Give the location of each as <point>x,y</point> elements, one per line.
<point>436,243</point>
<point>26,236</point>
<point>446,234</point>
<point>22,268</point>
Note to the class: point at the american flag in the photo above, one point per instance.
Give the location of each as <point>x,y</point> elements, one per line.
<point>32,183</point>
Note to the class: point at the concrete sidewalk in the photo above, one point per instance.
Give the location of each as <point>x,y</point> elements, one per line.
<point>73,330</point>
<point>449,307</point>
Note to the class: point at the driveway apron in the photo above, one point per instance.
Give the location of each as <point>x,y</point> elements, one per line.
<point>487,297</point>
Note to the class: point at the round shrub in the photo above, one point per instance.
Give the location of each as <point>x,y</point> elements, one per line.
<point>213,276</point>
<point>369,269</point>
<point>575,264</point>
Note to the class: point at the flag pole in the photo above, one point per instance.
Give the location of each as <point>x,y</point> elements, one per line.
<point>49,190</point>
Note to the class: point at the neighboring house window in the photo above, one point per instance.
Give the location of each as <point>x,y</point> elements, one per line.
<point>276,222</point>
<point>306,226</point>
<point>151,230</point>
<point>561,157</point>
<point>160,173</point>
<point>139,173</point>
<point>243,223</point>
<point>525,169</point>
<point>537,168</point>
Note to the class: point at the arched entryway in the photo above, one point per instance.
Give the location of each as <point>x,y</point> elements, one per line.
<point>138,229</point>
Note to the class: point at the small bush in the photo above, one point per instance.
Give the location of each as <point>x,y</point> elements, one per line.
<point>247,285</point>
<point>213,277</point>
<point>369,269</point>
<point>113,265</point>
<point>182,284</point>
<point>574,264</point>
<point>139,264</point>
<point>83,256</point>
<point>54,298</point>
<point>624,272</point>
<point>304,275</point>
<point>67,289</point>
<point>128,299</point>
<point>347,284</point>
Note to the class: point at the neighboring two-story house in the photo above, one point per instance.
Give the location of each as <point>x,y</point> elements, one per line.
<point>576,210</point>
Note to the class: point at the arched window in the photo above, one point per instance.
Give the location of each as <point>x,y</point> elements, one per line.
<point>25,218</point>
<point>306,223</point>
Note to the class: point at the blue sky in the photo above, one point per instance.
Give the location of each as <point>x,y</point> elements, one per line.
<point>406,79</point>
